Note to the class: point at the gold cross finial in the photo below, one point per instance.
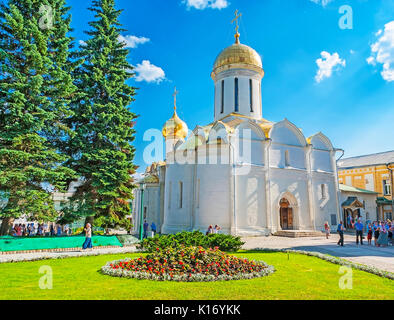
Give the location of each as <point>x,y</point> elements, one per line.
<point>174,95</point>
<point>237,16</point>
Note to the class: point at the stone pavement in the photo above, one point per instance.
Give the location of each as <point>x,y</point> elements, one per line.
<point>378,257</point>
<point>69,254</point>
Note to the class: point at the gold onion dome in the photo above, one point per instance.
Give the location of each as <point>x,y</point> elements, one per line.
<point>237,56</point>
<point>238,53</point>
<point>175,128</point>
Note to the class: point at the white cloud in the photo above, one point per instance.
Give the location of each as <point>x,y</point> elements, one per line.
<point>382,51</point>
<point>149,72</point>
<point>203,4</point>
<point>372,61</point>
<point>327,64</point>
<point>322,2</point>
<point>82,43</point>
<point>131,41</point>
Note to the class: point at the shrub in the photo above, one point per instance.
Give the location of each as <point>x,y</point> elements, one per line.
<point>222,241</point>
<point>188,264</point>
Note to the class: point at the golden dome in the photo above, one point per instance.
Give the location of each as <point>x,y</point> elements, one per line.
<point>237,56</point>
<point>175,128</point>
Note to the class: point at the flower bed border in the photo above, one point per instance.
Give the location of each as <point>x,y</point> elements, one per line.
<point>198,277</point>
<point>334,260</point>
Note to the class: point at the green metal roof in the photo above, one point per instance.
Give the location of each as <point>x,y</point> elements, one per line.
<point>352,202</point>
<point>383,200</point>
<point>346,188</point>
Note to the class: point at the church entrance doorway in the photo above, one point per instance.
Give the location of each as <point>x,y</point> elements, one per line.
<point>286,215</point>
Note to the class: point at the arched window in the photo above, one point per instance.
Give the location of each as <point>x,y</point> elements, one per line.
<point>169,195</point>
<point>222,99</point>
<point>323,191</point>
<point>236,95</point>
<point>287,158</point>
<point>251,94</point>
<point>198,193</point>
<point>180,195</point>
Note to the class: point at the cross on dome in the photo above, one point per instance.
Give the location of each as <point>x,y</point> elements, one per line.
<point>174,95</point>
<point>237,16</point>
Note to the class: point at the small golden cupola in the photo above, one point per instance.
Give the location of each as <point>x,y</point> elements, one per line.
<point>175,128</point>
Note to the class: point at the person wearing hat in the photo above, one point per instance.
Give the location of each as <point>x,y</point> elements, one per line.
<point>88,240</point>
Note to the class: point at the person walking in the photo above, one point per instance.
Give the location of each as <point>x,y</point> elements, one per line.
<point>376,235</point>
<point>59,230</point>
<point>153,228</point>
<point>146,226</point>
<point>369,236</point>
<point>210,230</point>
<point>359,231</point>
<point>340,230</point>
<point>88,240</point>
<point>327,229</point>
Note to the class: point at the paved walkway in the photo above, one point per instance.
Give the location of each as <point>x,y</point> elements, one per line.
<point>56,255</point>
<point>379,257</point>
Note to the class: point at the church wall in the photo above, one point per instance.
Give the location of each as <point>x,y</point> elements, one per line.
<point>296,156</point>
<point>177,217</point>
<point>212,199</point>
<point>251,200</point>
<point>293,185</point>
<point>321,160</point>
<point>213,205</point>
<point>250,152</point>
<point>324,199</point>
<point>152,204</point>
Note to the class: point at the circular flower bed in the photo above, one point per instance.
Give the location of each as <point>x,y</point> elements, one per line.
<point>191,264</point>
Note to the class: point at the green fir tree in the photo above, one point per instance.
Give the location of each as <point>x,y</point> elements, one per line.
<point>101,151</point>
<point>35,90</point>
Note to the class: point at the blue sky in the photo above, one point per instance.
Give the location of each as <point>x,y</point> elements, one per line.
<point>351,99</point>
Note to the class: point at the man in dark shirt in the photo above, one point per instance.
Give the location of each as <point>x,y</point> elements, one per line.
<point>146,225</point>
<point>340,230</point>
<point>359,231</point>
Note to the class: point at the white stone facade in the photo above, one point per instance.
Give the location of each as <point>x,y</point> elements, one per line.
<point>244,173</point>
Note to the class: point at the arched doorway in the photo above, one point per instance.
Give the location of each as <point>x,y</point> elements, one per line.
<point>286,215</point>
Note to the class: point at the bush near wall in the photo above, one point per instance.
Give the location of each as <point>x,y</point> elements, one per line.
<point>223,241</point>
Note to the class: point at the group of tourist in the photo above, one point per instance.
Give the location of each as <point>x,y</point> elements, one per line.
<point>146,229</point>
<point>40,229</point>
<point>380,231</point>
<point>213,230</point>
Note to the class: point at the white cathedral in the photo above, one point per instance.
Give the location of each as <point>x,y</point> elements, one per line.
<point>246,174</point>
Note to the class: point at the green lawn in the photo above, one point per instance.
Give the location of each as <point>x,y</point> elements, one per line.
<point>300,277</point>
